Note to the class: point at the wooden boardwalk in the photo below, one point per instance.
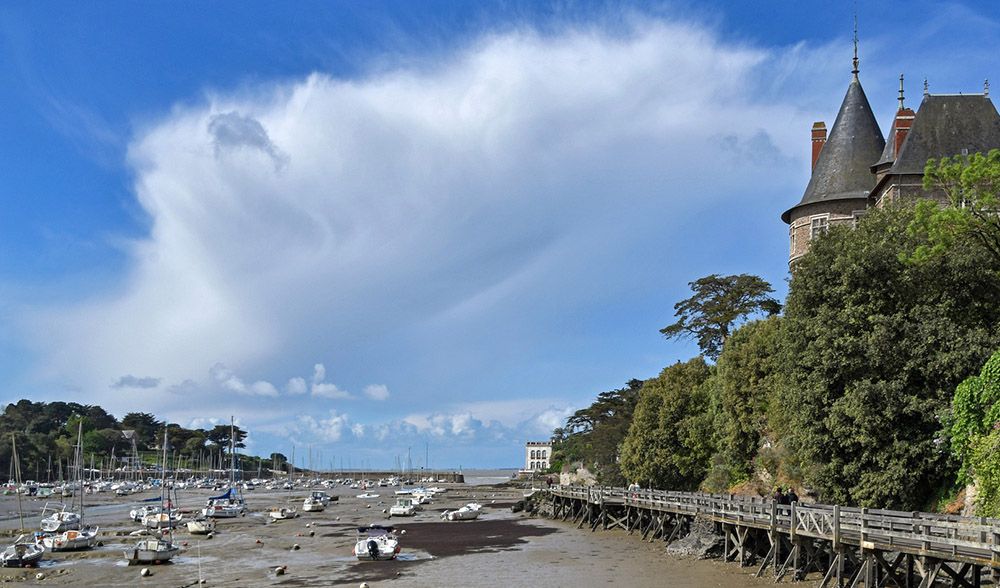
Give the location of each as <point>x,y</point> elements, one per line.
<point>850,547</point>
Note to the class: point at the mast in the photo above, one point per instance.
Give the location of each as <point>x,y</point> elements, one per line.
<point>232,451</point>
<point>17,478</point>
<point>79,465</point>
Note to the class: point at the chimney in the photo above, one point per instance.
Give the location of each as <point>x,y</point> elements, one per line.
<point>904,120</point>
<point>818,140</point>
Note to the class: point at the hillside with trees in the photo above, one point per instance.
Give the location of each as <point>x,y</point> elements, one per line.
<point>877,385</point>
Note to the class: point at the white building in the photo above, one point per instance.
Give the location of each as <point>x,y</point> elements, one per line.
<point>537,455</point>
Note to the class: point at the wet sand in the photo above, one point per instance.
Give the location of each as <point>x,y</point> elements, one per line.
<point>498,549</point>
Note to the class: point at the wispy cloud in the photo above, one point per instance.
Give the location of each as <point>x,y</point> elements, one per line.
<point>131,381</point>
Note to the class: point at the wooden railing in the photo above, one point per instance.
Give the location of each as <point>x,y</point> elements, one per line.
<point>963,538</point>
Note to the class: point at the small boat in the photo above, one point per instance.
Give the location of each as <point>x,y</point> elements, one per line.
<point>404,507</point>
<point>162,520</point>
<point>367,495</point>
<point>151,551</point>
<point>138,514</point>
<point>466,513</point>
<point>60,520</point>
<point>311,504</point>
<point>282,513</point>
<point>200,526</point>
<point>376,542</point>
<point>24,553</point>
<point>73,540</point>
<point>323,497</point>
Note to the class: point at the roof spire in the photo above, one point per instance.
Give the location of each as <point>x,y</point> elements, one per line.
<point>986,87</point>
<point>927,88</point>
<point>855,70</point>
<point>901,106</point>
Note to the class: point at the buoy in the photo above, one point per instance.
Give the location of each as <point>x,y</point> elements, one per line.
<point>203,581</point>
<point>259,542</point>
<point>144,572</point>
<point>39,576</point>
<point>295,547</point>
<point>209,535</point>
<point>364,585</point>
<point>279,571</point>
<point>312,533</point>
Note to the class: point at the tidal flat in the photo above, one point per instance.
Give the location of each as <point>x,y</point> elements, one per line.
<point>501,548</point>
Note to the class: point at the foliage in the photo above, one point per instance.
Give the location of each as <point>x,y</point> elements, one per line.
<point>670,441</point>
<point>874,348</point>
<point>718,303</point>
<point>975,434</point>
<point>748,371</point>
<point>47,433</point>
<point>971,185</point>
<point>593,435</point>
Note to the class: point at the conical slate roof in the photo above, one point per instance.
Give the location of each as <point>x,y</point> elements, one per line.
<point>945,126</point>
<point>843,171</point>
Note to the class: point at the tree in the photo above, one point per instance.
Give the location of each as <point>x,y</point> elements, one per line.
<point>669,443</point>
<point>975,434</point>
<point>146,428</point>
<point>971,184</point>
<point>593,435</point>
<point>873,349</point>
<point>718,303</point>
<point>749,369</point>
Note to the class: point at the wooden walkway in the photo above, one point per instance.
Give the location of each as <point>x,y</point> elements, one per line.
<point>850,547</point>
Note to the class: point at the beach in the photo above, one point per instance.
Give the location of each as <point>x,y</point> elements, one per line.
<point>501,548</point>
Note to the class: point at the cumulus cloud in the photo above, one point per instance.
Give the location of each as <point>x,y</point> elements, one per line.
<point>230,382</point>
<point>329,428</point>
<point>379,215</point>
<point>131,381</point>
<point>376,391</point>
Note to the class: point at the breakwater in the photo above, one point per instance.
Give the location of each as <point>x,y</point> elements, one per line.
<point>846,547</point>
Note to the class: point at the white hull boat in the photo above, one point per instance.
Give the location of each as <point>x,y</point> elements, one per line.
<point>60,521</point>
<point>200,527</point>
<point>151,551</point>
<point>367,495</point>
<point>162,520</point>
<point>71,540</point>
<point>312,505</point>
<point>466,513</point>
<point>376,542</point>
<point>22,554</point>
<point>404,507</point>
<point>282,513</point>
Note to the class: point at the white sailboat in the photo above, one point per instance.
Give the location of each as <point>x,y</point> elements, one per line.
<point>23,552</point>
<point>156,549</point>
<point>466,513</point>
<point>82,537</point>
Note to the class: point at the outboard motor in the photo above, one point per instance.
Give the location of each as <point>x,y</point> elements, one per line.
<point>373,549</point>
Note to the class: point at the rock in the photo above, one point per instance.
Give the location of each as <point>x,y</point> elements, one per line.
<point>312,533</point>
<point>40,576</point>
<point>279,571</point>
<point>295,547</point>
<point>145,572</point>
<point>701,542</point>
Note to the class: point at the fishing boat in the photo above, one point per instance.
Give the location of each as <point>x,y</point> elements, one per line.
<point>376,542</point>
<point>282,513</point>
<point>24,553</point>
<point>466,513</point>
<point>158,549</point>
<point>404,507</point>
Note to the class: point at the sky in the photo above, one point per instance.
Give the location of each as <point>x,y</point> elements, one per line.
<point>371,228</point>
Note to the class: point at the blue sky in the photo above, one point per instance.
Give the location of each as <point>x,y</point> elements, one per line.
<point>368,226</point>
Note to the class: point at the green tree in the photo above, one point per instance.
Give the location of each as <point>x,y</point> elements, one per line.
<point>874,349</point>
<point>749,370</point>
<point>593,435</point>
<point>971,185</point>
<point>669,443</point>
<point>975,434</point>
<point>148,430</point>
<point>719,303</point>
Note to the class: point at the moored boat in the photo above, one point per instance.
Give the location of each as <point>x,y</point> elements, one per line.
<point>311,504</point>
<point>59,520</point>
<point>152,551</point>
<point>73,540</point>
<point>376,542</point>
<point>466,513</point>
<point>22,554</point>
<point>282,513</point>
<point>404,507</point>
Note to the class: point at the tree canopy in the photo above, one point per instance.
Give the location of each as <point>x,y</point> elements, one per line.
<point>719,303</point>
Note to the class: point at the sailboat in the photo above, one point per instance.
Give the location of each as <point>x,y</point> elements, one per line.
<point>156,549</point>
<point>79,538</point>
<point>231,504</point>
<point>24,552</point>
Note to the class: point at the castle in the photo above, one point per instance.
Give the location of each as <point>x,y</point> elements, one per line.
<point>855,168</point>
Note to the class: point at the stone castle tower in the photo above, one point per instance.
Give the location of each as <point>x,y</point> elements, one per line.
<point>856,169</point>
<point>841,179</point>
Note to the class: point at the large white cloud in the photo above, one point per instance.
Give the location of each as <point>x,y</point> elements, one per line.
<point>375,213</point>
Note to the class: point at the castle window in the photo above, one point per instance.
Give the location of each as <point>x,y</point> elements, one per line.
<point>543,454</point>
<point>818,226</point>
<point>791,233</point>
<point>856,218</point>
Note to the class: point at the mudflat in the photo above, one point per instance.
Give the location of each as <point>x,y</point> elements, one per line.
<point>499,549</point>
